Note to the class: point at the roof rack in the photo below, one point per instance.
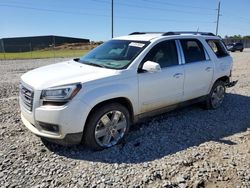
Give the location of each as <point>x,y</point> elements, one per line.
<point>142,33</point>
<point>188,32</point>
<point>175,33</point>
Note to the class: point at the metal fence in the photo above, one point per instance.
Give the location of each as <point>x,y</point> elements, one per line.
<point>27,51</point>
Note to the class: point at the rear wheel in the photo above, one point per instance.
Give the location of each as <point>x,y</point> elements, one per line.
<point>241,50</point>
<point>107,126</point>
<point>216,95</point>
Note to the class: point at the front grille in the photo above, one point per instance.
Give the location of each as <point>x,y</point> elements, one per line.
<point>26,97</point>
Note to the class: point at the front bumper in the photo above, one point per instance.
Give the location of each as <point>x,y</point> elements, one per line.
<point>70,120</point>
<point>69,139</point>
<point>66,140</point>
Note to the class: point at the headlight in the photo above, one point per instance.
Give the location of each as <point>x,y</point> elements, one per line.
<point>61,93</point>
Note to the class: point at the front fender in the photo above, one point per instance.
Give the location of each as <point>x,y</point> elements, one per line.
<point>128,89</point>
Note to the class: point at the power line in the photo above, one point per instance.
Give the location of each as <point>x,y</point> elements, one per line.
<point>121,17</point>
<point>16,3</point>
<point>242,30</point>
<point>179,5</point>
<point>153,8</point>
<point>50,10</point>
<point>228,14</point>
<point>166,20</point>
<point>234,16</point>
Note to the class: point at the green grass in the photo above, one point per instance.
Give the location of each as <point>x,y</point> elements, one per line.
<point>43,54</point>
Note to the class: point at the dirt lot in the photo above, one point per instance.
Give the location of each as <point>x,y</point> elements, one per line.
<point>190,147</point>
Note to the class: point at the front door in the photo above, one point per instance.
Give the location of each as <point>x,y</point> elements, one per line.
<point>164,88</point>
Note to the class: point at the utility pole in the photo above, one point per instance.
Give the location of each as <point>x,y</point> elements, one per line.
<point>218,18</point>
<point>112,18</point>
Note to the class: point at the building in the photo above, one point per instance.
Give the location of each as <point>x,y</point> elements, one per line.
<point>24,44</point>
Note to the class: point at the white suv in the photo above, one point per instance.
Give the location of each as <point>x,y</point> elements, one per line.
<point>95,99</point>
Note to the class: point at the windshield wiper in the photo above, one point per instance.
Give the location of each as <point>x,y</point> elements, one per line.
<point>76,59</point>
<point>90,63</point>
<point>94,64</point>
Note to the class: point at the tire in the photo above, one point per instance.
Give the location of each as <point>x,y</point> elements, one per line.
<point>241,50</point>
<point>107,126</point>
<point>216,95</point>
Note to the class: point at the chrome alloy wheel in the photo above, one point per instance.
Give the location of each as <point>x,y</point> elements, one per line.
<point>110,128</point>
<point>218,96</point>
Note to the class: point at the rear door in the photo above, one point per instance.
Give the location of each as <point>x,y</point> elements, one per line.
<point>198,69</point>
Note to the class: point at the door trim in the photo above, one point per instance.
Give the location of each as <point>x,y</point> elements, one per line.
<point>180,52</point>
<point>146,115</point>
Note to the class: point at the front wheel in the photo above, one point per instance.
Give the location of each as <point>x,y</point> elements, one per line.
<point>107,126</point>
<point>216,95</point>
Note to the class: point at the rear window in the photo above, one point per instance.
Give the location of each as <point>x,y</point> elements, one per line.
<point>193,50</point>
<point>218,48</point>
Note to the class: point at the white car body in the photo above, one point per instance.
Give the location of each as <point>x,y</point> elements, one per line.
<point>146,92</point>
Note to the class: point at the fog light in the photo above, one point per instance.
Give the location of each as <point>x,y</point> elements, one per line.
<point>49,127</point>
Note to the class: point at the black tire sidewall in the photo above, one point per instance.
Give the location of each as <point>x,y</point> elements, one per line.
<point>89,133</point>
<point>209,99</point>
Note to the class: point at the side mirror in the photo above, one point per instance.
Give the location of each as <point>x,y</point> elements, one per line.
<point>151,67</point>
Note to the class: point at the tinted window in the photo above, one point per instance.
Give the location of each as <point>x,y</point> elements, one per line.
<point>218,48</point>
<point>238,45</point>
<point>164,53</point>
<point>193,50</point>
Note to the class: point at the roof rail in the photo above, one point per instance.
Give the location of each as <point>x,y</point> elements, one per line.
<point>188,32</point>
<point>142,33</point>
<point>175,33</point>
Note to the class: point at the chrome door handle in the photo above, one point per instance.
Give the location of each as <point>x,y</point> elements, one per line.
<point>177,75</point>
<point>208,69</point>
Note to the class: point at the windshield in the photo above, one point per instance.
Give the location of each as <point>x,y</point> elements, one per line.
<point>114,54</point>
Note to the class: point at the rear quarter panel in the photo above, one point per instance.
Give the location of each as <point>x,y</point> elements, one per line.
<point>222,65</point>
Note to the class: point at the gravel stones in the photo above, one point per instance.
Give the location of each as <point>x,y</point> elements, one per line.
<point>190,147</point>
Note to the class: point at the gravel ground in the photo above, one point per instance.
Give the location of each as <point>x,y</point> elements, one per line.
<point>190,147</point>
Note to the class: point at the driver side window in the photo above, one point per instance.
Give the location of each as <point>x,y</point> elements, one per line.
<point>164,53</point>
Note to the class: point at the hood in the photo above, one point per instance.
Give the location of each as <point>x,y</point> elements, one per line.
<point>64,73</point>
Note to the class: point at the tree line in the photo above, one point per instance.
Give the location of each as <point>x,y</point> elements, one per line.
<point>237,37</point>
